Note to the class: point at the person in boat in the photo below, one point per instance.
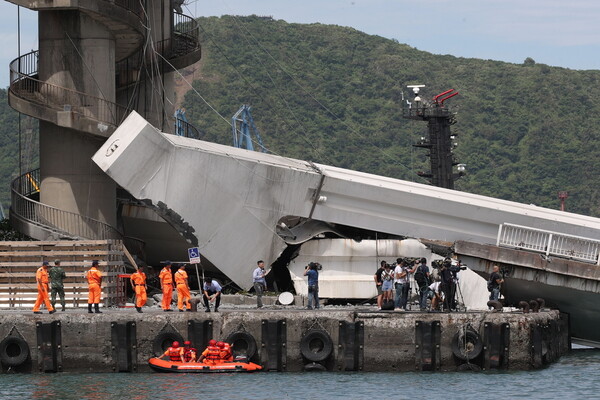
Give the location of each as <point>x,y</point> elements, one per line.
<point>175,353</point>
<point>225,351</point>
<point>189,352</point>
<point>212,354</point>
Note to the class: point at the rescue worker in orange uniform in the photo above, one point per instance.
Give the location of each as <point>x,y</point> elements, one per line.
<point>94,278</point>
<point>175,353</point>
<point>166,284</point>
<point>183,289</point>
<point>225,351</point>
<point>189,353</point>
<point>212,354</point>
<point>138,283</point>
<point>41,277</point>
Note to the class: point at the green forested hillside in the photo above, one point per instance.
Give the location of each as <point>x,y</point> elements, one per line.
<point>9,146</point>
<point>333,95</point>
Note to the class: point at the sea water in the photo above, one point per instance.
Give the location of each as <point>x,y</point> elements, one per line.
<point>575,376</point>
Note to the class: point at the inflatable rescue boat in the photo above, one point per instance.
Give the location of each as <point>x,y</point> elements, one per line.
<point>161,365</point>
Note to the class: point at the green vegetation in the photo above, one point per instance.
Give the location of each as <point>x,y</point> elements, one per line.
<point>9,147</point>
<point>525,131</point>
<point>333,95</point>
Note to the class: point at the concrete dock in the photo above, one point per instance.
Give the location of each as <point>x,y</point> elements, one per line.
<point>286,339</point>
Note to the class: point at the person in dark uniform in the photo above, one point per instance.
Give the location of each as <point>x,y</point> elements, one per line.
<point>379,283</point>
<point>57,276</point>
<point>448,285</point>
<point>495,282</point>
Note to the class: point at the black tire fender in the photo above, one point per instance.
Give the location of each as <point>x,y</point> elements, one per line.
<point>314,367</point>
<point>242,344</point>
<point>14,351</point>
<point>163,341</point>
<point>469,367</point>
<point>467,345</point>
<point>316,345</point>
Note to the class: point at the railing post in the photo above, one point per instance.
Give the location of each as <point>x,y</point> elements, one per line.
<point>549,244</point>
<point>499,233</point>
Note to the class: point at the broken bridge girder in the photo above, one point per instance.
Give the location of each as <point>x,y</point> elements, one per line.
<point>240,196</point>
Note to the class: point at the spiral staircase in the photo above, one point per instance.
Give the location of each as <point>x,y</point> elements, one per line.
<point>134,41</point>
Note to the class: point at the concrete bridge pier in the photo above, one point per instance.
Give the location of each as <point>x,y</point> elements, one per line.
<point>77,53</point>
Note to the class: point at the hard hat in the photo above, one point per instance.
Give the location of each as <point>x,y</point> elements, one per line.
<point>175,344</point>
<point>187,343</point>
<point>220,345</point>
<point>212,342</point>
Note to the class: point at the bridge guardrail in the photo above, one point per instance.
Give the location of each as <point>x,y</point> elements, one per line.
<point>549,243</point>
<point>24,84</point>
<point>69,224</point>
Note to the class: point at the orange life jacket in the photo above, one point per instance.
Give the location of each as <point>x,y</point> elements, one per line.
<point>175,353</point>
<point>214,353</point>
<point>226,354</point>
<point>188,354</point>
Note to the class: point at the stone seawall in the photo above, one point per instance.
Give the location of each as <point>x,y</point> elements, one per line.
<point>282,340</point>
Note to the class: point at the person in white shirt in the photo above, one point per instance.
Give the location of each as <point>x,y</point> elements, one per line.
<point>260,283</point>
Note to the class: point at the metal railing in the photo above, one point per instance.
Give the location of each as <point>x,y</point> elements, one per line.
<point>549,243</point>
<point>134,6</point>
<point>24,84</point>
<point>184,39</point>
<point>185,129</point>
<point>65,223</point>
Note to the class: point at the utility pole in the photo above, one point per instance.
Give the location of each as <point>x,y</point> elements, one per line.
<point>440,140</point>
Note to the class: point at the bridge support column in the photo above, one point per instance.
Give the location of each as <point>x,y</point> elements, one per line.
<point>77,53</point>
<point>70,180</point>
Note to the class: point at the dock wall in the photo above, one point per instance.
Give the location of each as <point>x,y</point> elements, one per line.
<point>120,341</point>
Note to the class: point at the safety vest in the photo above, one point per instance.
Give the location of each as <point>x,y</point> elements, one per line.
<point>189,354</point>
<point>175,353</point>
<point>214,353</point>
<point>226,353</point>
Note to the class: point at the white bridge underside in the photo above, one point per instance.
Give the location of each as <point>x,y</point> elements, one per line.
<point>234,198</point>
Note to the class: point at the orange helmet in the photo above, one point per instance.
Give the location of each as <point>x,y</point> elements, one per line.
<point>187,343</point>
<point>212,342</point>
<point>175,344</point>
<point>220,345</point>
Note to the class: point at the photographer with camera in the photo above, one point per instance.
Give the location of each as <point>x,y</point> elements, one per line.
<point>449,274</point>
<point>494,283</point>
<point>423,280</point>
<point>448,285</point>
<point>402,283</point>
<point>311,271</point>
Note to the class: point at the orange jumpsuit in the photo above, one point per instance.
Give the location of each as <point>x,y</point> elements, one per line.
<point>183,290</point>
<point>166,282</point>
<point>138,280</point>
<point>41,276</point>
<point>94,278</point>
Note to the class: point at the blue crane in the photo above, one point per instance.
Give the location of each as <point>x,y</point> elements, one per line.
<point>242,134</point>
